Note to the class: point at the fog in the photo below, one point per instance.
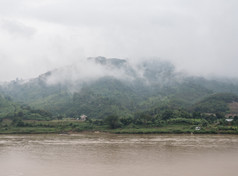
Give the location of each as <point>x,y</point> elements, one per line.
<point>85,72</point>
<point>199,37</point>
<point>89,70</point>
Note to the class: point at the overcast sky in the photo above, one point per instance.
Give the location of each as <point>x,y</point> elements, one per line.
<point>199,36</point>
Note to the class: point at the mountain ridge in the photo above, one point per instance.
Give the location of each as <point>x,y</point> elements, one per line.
<point>102,86</point>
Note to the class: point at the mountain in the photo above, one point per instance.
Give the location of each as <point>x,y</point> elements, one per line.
<point>13,110</point>
<point>216,103</point>
<point>6,106</point>
<point>101,86</point>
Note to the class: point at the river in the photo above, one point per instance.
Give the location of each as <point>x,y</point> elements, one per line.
<point>91,154</point>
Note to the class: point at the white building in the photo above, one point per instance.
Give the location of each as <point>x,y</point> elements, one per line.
<point>229,120</point>
<point>83,117</point>
<point>197,128</point>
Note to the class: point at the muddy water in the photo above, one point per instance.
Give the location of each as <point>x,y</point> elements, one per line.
<point>116,155</point>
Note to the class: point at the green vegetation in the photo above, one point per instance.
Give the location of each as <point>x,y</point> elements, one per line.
<point>158,87</point>
<point>152,99</point>
<point>169,116</point>
<point>11,110</point>
<point>216,103</point>
<point>167,122</point>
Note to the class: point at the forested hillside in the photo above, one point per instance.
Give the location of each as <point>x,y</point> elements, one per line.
<point>103,87</point>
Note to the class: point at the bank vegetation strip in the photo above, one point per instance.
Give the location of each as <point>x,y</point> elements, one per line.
<point>119,126</point>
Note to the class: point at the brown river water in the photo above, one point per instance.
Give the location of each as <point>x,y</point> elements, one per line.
<point>90,154</point>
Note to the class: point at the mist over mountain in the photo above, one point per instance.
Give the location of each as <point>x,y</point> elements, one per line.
<point>100,86</point>
<point>200,37</point>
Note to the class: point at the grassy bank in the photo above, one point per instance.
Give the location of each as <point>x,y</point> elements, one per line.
<point>75,126</point>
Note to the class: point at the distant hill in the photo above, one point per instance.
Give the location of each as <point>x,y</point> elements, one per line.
<point>101,86</point>
<point>12,110</point>
<point>6,106</point>
<point>219,102</point>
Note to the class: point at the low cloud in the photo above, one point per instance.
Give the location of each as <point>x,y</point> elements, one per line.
<point>88,71</point>
<point>85,72</point>
<point>17,29</point>
<point>199,37</point>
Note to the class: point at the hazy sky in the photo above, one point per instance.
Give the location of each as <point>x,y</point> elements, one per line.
<point>199,36</point>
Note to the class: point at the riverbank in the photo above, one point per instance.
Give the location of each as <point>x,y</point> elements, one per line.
<point>74,126</point>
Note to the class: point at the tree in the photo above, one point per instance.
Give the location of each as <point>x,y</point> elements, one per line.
<point>20,114</point>
<point>219,115</point>
<point>126,120</point>
<point>236,118</point>
<point>168,114</point>
<point>196,115</point>
<point>16,121</point>
<point>113,121</point>
<point>145,118</point>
